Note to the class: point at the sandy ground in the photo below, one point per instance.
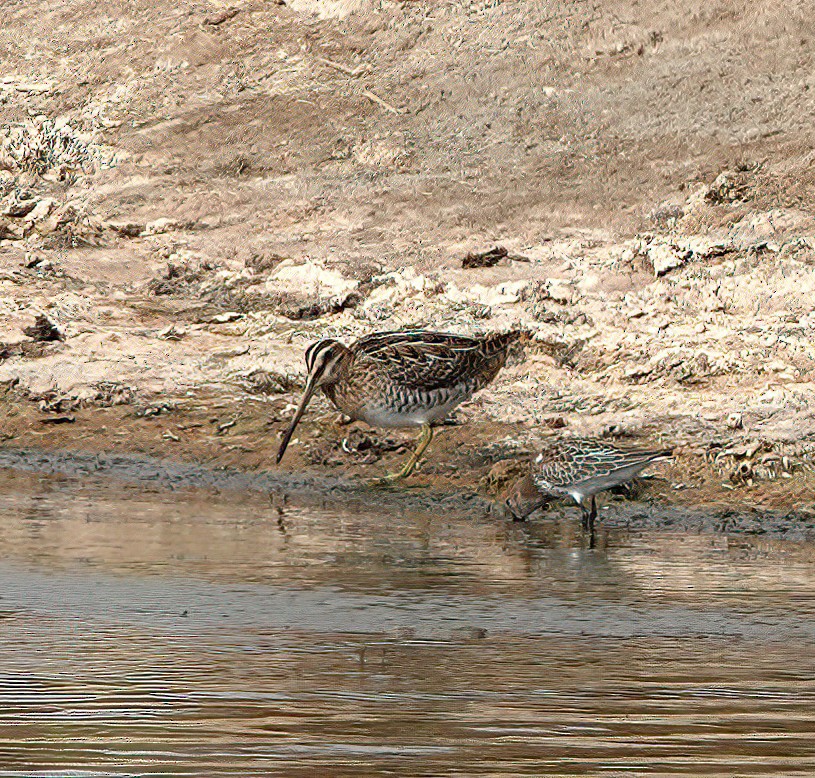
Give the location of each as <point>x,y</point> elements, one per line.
<point>194,195</point>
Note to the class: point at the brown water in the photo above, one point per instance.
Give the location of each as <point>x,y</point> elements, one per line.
<point>158,634</point>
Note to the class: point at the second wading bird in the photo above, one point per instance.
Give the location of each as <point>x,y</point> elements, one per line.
<point>410,378</point>
<point>577,468</point>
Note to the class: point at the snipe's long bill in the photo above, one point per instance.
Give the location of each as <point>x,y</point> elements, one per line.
<point>577,468</point>
<point>411,378</point>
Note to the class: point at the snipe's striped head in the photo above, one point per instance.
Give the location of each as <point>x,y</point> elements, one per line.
<point>324,362</point>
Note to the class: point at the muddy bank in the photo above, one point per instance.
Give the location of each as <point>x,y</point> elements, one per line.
<point>697,336</point>
<point>283,492</point>
<point>177,226</point>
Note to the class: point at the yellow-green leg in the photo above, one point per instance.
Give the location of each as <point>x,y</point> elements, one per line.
<point>422,442</point>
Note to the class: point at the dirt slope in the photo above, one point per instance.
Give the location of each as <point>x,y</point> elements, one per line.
<point>322,167</point>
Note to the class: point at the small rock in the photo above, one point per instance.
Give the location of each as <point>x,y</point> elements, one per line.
<point>33,87</point>
<point>665,258</point>
<point>484,258</point>
<point>58,420</point>
<point>729,187</point>
<point>16,209</point>
<point>42,210</point>
<point>10,231</point>
<point>173,332</point>
<point>734,421</point>
<point>638,371</point>
<point>261,262</point>
<point>213,20</point>
<point>159,226</point>
<point>555,422</point>
<point>128,229</point>
<point>225,318</point>
<point>44,330</point>
<point>559,292</point>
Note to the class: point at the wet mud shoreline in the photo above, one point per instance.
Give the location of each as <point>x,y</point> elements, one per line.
<point>226,441</point>
<point>285,490</point>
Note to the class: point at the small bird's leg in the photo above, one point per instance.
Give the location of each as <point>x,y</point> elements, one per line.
<point>589,514</point>
<point>422,442</point>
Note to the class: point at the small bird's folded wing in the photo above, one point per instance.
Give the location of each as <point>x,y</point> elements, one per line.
<point>598,457</point>
<point>576,461</point>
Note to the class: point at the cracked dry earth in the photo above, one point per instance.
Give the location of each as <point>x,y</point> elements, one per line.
<point>191,200</point>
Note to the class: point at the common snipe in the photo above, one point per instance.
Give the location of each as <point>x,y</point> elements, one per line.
<point>402,379</point>
<point>578,469</point>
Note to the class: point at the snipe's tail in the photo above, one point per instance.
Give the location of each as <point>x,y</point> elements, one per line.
<point>500,341</point>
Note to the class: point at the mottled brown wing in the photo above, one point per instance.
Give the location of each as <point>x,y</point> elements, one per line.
<point>573,461</point>
<point>431,360</point>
